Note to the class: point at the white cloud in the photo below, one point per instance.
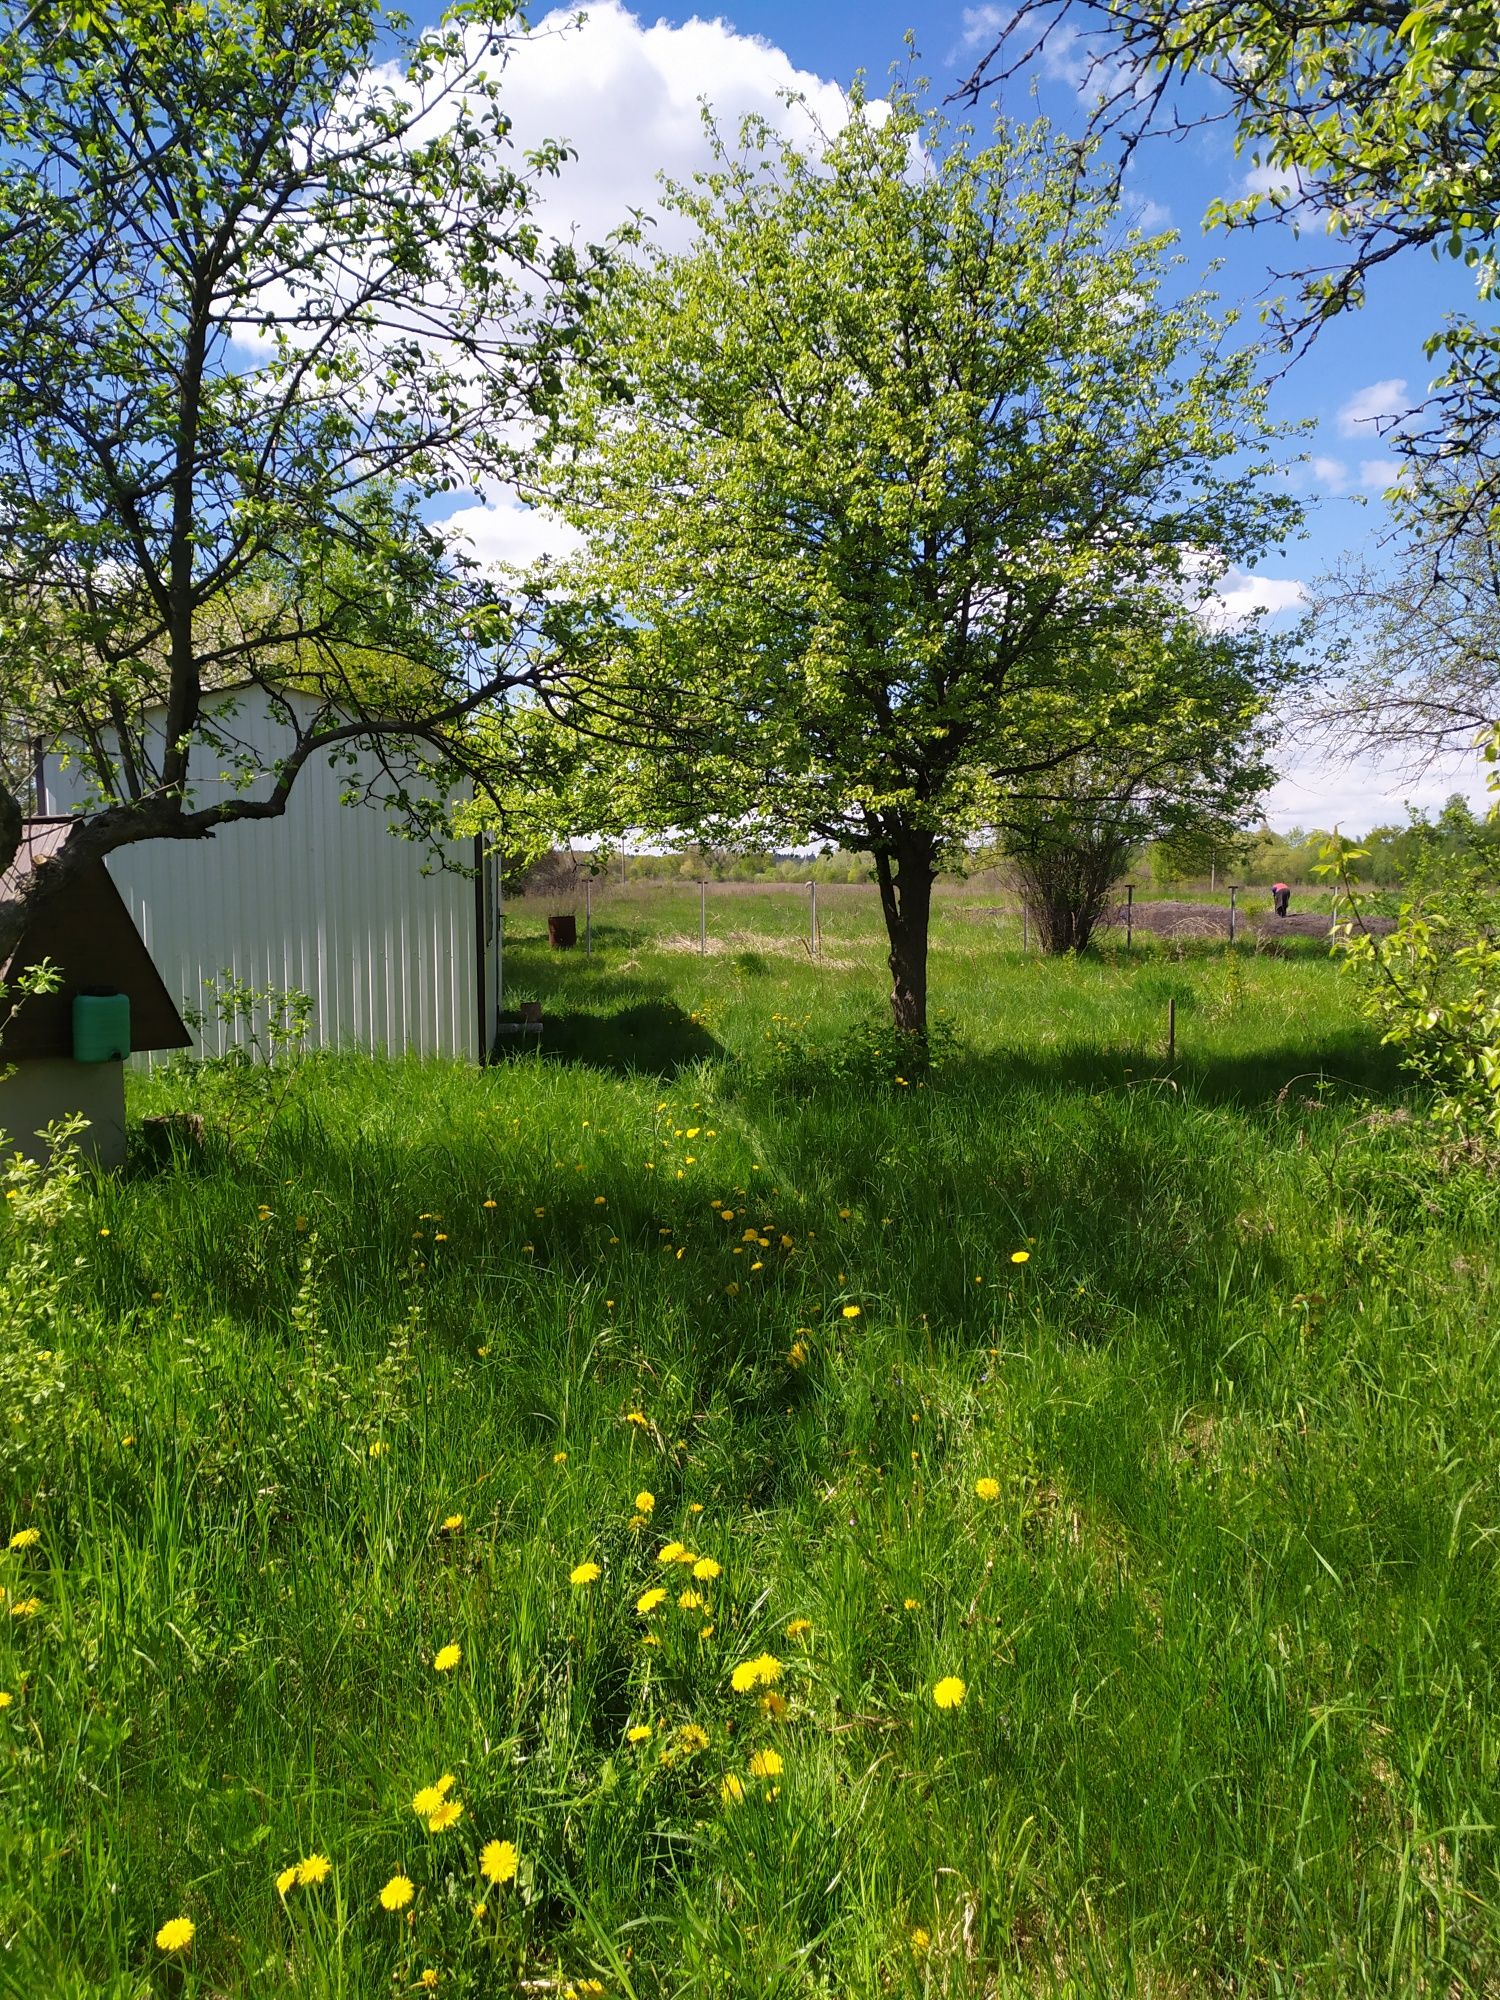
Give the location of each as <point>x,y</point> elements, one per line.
<point>1364,792</point>
<point>1369,405</point>
<point>1331,474</point>
<point>499,529</point>
<point>1376,474</point>
<point>628,98</point>
<point>1238,595</point>
<point>984,24</point>
<point>1268,180</point>
<point>1148,214</point>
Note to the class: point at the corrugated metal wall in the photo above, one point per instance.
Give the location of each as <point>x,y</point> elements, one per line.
<point>325,899</point>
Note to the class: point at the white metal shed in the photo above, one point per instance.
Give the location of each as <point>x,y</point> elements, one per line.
<point>398,953</point>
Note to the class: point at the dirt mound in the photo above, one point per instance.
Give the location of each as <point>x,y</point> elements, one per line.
<point>1201,920</point>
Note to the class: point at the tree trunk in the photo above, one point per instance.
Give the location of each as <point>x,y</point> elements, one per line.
<point>906,876</point>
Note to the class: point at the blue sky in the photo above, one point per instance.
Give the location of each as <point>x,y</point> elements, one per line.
<point>624,89</point>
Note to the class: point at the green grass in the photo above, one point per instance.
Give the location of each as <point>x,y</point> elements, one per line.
<point>1229,1632</point>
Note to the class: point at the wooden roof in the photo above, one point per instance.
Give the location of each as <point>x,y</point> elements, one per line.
<point>90,937</point>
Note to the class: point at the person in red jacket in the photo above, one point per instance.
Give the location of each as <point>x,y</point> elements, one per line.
<point>1281,896</point>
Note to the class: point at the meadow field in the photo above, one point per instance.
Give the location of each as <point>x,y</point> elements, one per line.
<point>711,1508</point>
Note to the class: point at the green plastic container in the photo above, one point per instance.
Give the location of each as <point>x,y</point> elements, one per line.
<point>101,1027</point>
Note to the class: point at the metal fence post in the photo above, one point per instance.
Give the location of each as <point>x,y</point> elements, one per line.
<point>1129,913</point>
<point>588,916</point>
<point>814,942</point>
<point>703,918</point>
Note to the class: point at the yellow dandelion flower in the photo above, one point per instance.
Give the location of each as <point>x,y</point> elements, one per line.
<point>451,1524</point>
<point>772,1704</point>
<point>449,1813</point>
<point>921,1941</point>
<point>559,1458</point>
<point>732,1791</point>
<point>910,1603</point>
<point>429,1979</point>
<point>671,1552</point>
<point>949,1692</point>
<point>689,1600</point>
<point>25,1538</point>
<point>431,1796</point>
<point>706,1569</point>
<point>585,1572</point>
<point>766,1764</point>
<point>447,1658</point>
<point>312,1870</point>
<point>705,1631</point>
<point>759,1672</point>
<point>379,1448</point>
<point>176,1934</point>
<point>6,1697</point>
<point>644,1502</point>
<point>987,1489</point>
<point>286,1879</point>
<point>28,1607</point>
<point>397,1893</point>
<point>691,1738</point>
<point>640,1734</point>
<point>648,1600</point>
<point>695,1506</point>
<point>481,1911</point>
<point>489,1204</point>
<point>635,1417</point>
<point>1020,1256</point>
<point>852,1312</point>
<point>799,1628</point>
<point>498,1861</point>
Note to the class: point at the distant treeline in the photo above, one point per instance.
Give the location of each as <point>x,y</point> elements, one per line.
<point>1392,855</point>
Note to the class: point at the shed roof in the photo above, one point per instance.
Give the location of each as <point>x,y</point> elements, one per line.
<point>89,936</point>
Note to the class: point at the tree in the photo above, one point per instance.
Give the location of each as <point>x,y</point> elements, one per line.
<point>1379,124</point>
<point>1070,834</point>
<point>1419,631</point>
<point>268,283</point>
<point>896,465</point>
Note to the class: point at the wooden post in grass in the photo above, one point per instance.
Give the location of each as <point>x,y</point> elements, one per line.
<point>814,942</point>
<point>1171,1031</point>
<point>703,918</point>
<point>1232,894</point>
<point>588,916</point>
<point>1025,927</point>
<point>1129,913</point>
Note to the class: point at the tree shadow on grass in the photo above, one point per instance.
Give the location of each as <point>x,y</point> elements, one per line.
<point>1329,1071</point>
<point>656,1037</point>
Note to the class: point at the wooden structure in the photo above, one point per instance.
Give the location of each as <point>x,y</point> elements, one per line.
<point>90,937</point>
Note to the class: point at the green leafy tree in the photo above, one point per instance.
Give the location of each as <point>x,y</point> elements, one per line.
<point>895,466</point>
<point>268,280</point>
<point>1432,982</point>
<point>1070,834</point>
<point>1379,128</point>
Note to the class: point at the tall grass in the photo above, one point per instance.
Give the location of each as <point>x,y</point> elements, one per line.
<point>1222,1337</point>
